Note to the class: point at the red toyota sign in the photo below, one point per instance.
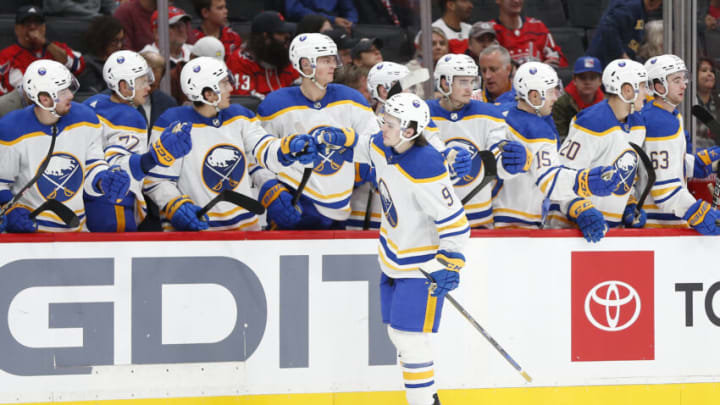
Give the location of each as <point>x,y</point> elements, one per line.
<point>613,306</point>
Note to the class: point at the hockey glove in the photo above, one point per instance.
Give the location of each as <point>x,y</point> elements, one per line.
<point>300,147</point>
<point>19,221</point>
<point>335,137</point>
<point>278,201</point>
<point>174,143</point>
<point>515,157</point>
<point>600,181</point>
<point>703,218</point>
<point>588,218</point>
<point>629,218</point>
<point>114,183</point>
<point>704,160</point>
<point>461,164</point>
<point>182,214</point>
<point>448,277</point>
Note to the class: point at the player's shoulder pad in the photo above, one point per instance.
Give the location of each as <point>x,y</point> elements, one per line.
<point>488,110</point>
<point>183,113</point>
<point>423,164</point>
<point>80,113</point>
<point>529,127</point>
<point>280,100</point>
<point>237,110</point>
<point>116,114</point>
<point>597,118</point>
<point>340,92</point>
<point>17,123</point>
<point>97,101</point>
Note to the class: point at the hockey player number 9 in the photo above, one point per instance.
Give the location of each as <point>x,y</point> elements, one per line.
<point>447,196</point>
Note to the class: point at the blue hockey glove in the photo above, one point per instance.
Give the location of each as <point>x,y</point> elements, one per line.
<point>629,218</point>
<point>174,143</point>
<point>600,181</point>
<point>704,160</point>
<point>461,165</point>
<point>448,277</point>
<point>182,213</point>
<point>19,221</point>
<point>335,137</point>
<point>588,218</point>
<point>300,147</point>
<point>703,218</point>
<point>515,157</point>
<point>278,201</point>
<point>114,183</point>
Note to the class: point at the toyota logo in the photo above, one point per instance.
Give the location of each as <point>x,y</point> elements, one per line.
<point>617,295</point>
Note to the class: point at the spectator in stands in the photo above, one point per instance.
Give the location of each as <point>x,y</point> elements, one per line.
<point>104,36</point>
<point>482,35</point>
<point>31,45</point>
<point>526,38</point>
<point>708,97</point>
<point>457,32</point>
<point>621,29</point>
<point>439,48</point>
<point>135,16</point>
<point>366,53</point>
<point>158,101</point>
<point>355,77</point>
<point>344,44</point>
<point>264,65</point>
<point>652,44</point>
<point>712,15</point>
<point>215,24</point>
<point>582,92</point>
<point>177,35</point>
<point>79,8</point>
<point>342,13</point>
<point>496,70</point>
<point>386,12</point>
<point>315,23</point>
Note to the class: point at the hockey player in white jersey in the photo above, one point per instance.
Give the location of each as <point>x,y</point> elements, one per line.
<point>423,226</point>
<point>312,107</point>
<point>670,203</point>
<point>519,203</point>
<point>473,126</point>
<point>227,142</point>
<point>124,132</point>
<point>77,164</point>
<point>599,136</point>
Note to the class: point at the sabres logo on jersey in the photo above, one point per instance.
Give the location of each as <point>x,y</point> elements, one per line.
<point>223,167</point>
<point>62,178</point>
<point>329,160</point>
<point>626,165</point>
<point>474,155</point>
<point>387,204</point>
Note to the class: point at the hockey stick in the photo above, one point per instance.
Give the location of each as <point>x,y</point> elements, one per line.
<point>706,118</point>
<point>238,199</point>
<point>651,178</point>
<point>479,328</point>
<point>307,171</point>
<point>490,165</point>
<point>368,210</point>
<point>411,79</point>
<point>61,210</point>
<point>35,178</point>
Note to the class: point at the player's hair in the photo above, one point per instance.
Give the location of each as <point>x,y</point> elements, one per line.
<point>499,49</point>
<point>350,75</point>
<point>100,34</point>
<point>199,5</point>
<point>199,104</point>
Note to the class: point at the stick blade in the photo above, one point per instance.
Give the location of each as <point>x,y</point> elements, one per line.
<point>65,214</point>
<point>244,201</point>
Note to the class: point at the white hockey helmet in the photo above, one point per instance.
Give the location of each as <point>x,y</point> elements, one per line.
<point>50,77</point>
<point>536,76</point>
<point>203,73</point>
<point>660,67</point>
<point>311,46</point>
<point>452,65</point>
<point>408,108</point>
<point>622,71</point>
<point>125,66</point>
<point>384,74</point>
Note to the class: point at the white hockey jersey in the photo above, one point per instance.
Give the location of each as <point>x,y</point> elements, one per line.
<point>223,152</point>
<point>665,143</point>
<point>519,201</point>
<point>76,160</point>
<point>597,138</point>
<point>475,127</point>
<point>421,212</point>
<point>286,111</point>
